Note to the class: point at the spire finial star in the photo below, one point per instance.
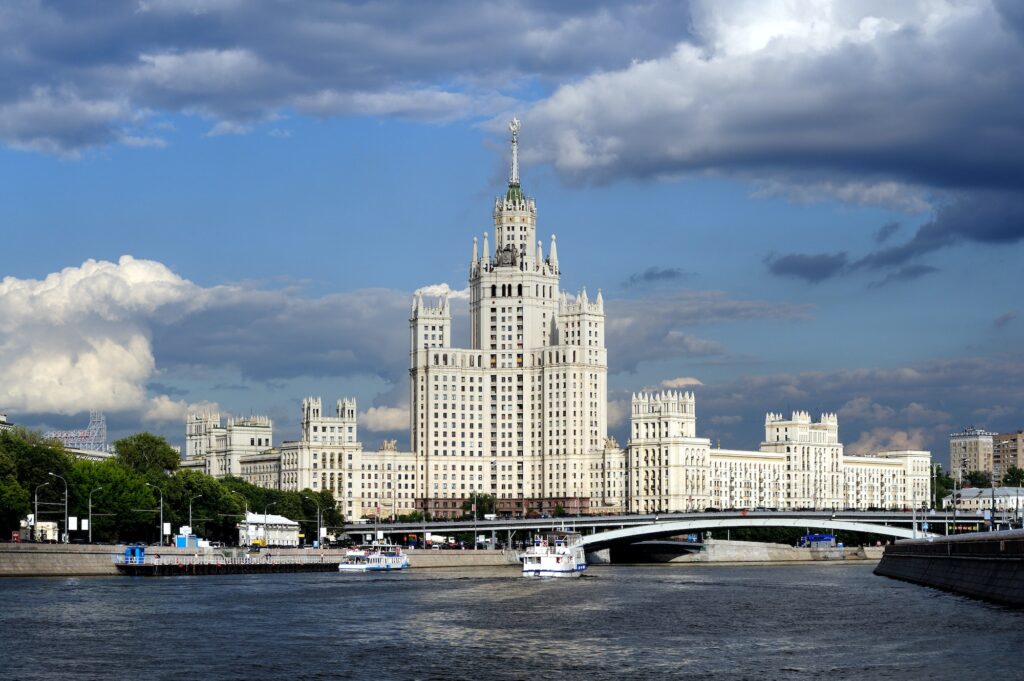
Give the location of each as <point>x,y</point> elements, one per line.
<point>513,127</point>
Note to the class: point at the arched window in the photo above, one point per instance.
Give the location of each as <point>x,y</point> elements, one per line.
<point>520,290</point>
<point>494,291</point>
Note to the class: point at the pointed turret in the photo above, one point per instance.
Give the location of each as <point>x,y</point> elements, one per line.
<point>540,254</point>
<point>600,301</point>
<point>553,253</point>
<point>487,249</point>
<point>475,256</point>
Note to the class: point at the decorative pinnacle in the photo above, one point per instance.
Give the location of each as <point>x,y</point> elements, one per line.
<point>513,127</point>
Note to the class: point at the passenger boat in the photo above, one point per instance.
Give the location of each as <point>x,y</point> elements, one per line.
<point>374,558</point>
<point>555,555</point>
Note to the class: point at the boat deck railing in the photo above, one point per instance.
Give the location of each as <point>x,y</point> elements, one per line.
<point>224,560</point>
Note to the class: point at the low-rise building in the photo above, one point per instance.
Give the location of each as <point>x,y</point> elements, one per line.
<point>268,530</point>
<point>980,499</point>
<point>4,423</point>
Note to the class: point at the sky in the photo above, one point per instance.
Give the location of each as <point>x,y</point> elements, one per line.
<point>226,205</point>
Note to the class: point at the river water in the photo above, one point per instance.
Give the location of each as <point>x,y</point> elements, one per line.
<point>835,621</point>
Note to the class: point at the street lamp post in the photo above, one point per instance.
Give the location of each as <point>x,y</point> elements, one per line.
<point>190,511</point>
<point>246,501</point>
<point>318,516</point>
<point>66,537</point>
<point>266,531</point>
<point>35,527</point>
<point>90,512</point>
<point>161,532</point>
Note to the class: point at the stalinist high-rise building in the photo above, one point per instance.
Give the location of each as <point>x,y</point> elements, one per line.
<point>522,412</point>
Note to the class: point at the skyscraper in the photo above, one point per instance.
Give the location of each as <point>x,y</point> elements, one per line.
<point>522,412</point>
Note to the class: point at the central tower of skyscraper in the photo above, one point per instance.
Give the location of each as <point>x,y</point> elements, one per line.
<point>521,414</point>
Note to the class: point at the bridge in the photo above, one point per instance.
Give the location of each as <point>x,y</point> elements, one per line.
<point>601,531</point>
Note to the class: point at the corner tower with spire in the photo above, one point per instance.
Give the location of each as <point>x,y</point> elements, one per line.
<point>522,413</point>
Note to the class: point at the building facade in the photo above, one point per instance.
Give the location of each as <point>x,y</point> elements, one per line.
<point>329,456</point>
<point>268,530</point>
<point>522,412</point>
<point>1007,452</point>
<point>800,464</point>
<point>971,450</point>
<point>220,450</point>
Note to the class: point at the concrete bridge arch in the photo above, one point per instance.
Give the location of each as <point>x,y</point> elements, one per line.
<point>671,528</point>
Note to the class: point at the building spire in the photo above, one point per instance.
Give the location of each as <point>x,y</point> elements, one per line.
<point>514,129</point>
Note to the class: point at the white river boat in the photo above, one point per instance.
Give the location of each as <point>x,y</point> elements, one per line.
<point>555,555</point>
<point>374,558</point>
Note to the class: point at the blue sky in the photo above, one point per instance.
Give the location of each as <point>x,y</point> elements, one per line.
<point>787,205</point>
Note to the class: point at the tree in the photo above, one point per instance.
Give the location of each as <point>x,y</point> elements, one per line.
<point>123,510</point>
<point>485,504</point>
<point>14,499</point>
<point>559,511</point>
<point>1014,477</point>
<point>146,453</point>
<point>978,479</point>
<point>943,486</point>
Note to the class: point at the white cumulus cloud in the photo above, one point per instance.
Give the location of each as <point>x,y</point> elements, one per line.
<point>384,419</point>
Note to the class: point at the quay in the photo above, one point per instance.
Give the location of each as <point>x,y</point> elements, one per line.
<point>175,566</point>
<point>85,560</point>
<point>984,565</point>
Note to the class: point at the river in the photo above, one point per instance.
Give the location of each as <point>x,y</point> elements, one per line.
<point>827,621</point>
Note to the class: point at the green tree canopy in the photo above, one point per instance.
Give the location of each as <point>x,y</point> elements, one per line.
<point>1014,477</point>
<point>146,453</point>
<point>978,479</point>
<point>485,503</point>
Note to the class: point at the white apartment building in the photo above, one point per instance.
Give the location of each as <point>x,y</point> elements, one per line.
<point>800,464</point>
<point>220,450</point>
<point>521,413</point>
<point>330,456</point>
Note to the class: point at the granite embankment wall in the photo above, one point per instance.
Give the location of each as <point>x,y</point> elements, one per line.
<point>985,565</point>
<point>725,551</point>
<point>52,560</point>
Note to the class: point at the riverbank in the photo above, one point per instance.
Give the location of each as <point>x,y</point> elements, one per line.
<point>65,560</point>
<point>985,565</point>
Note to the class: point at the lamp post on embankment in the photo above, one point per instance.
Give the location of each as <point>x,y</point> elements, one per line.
<point>191,499</point>
<point>161,533</point>
<point>266,530</point>
<point>318,516</point>
<point>246,501</point>
<point>35,524</point>
<point>90,512</point>
<point>65,504</point>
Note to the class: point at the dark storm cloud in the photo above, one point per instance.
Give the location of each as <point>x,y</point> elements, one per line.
<point>983,217</point>
<point>1002,320</point>
<point>811,268</point>
<point>924,101</point>
<point>915,405</point>
<point>656,275</point>
<point>886,231</point>
<point>905,273</point>
<point>270,335</point>
<point>656,328</point>
<point>111,65</point>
